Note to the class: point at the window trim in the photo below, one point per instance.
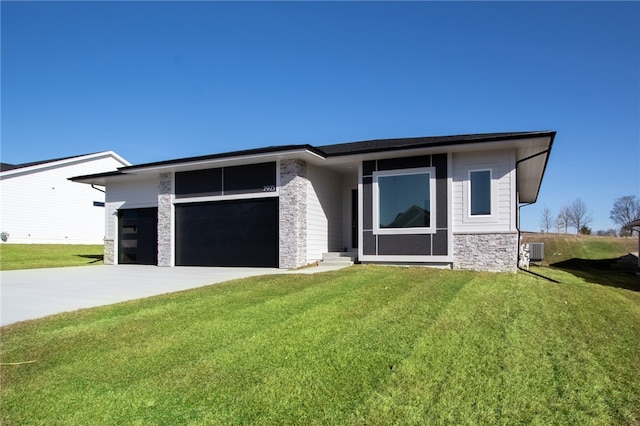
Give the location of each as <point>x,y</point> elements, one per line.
<point>493,185</point>
<point>377,230</point>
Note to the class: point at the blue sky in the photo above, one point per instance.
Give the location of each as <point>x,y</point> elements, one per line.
<point>161,80</point>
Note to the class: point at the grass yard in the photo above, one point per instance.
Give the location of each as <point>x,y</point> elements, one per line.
<point>30,256</point>
<point>563,247</point>
<point>364,345</point>
<point>594,259</point>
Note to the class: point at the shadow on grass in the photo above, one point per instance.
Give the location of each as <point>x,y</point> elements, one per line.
<point>609,272</point>
<point>97,257</point>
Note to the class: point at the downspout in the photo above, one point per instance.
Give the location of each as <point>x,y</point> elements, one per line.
<point>546,151</point>
<point>98,189</point>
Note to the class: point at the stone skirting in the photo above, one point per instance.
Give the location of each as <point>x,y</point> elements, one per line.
<point>165,220</point>
<point>109,252</point>
<point>293,214</point>
<point>496,252</point>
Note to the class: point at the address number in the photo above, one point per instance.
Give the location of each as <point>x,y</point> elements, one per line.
<point>269,188</point>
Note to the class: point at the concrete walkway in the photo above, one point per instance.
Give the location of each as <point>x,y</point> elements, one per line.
<point>36,293</point>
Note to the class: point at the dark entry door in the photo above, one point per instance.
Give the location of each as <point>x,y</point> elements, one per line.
<point>138,236</point>
<point>354,218</point>
<point>228,233</point>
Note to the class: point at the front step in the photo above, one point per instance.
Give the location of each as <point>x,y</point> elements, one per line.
<point>339,258</point>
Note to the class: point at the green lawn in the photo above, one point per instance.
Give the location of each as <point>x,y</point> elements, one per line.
<point>594,259</point>
<point>563,247</point>
<point>30,256</point>
<point>364,345</point>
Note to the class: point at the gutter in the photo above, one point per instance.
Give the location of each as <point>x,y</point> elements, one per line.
<point>546,151</point>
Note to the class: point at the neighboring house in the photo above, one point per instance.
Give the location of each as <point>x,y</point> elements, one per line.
<point>447,201</point>
<point>636,224</point>
<point>39,204</point>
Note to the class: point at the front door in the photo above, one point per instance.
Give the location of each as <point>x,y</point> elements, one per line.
<point>138,236</point>
<point>354,218</point>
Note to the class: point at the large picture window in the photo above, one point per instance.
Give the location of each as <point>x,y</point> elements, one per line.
<point>404,201</point>
<point>480,192</point>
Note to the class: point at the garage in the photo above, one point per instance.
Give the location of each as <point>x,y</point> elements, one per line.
<point>227,233</point>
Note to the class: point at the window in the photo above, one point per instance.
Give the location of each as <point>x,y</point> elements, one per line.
<point>404,201</point>
<point>199,183</point>
<point>245,179</point>
<point>480,192</point>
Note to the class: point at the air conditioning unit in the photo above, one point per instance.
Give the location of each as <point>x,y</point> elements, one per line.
<point>536,252</point>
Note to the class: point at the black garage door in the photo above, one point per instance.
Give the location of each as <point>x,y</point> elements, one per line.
<point>228,233</point>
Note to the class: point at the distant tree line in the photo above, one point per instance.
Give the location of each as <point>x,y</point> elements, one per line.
<point>575,215</point>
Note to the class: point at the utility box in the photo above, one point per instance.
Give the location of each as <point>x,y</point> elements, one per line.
<point>536,252</point>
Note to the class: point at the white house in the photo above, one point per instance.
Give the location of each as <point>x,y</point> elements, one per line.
<point>39,204</point>
<point>448,201</point>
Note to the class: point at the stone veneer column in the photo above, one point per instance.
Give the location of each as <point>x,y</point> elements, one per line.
<point>497,252</point>
<point>109,252</point>
<point>293,213</point>
<point>165,220</point>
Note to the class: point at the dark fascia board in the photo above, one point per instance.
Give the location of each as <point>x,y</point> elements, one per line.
<point>377,145</point>
<point>343,149</point>
<point>6,166</point>
<point>383,145</point>
<point>243,153</point>
<point>95,176</point>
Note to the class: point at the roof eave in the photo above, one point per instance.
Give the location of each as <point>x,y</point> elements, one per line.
<point>96,179</point>
<point>229,157</point>
<point>437,142</point>
<point>533,166</point>
<point>42,165</point>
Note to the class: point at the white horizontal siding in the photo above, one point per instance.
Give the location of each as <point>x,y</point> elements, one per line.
<point>502,164</point>
<point>324,212</point>
<point>41,206</point>
<point>129,194</point>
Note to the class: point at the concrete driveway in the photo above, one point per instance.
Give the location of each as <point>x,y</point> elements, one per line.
<point>36,293</point>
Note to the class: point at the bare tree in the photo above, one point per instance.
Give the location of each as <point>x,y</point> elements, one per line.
<point>625,210</point>
<point>546,220</point>
<point>562,221</point>
<point>577,215</point>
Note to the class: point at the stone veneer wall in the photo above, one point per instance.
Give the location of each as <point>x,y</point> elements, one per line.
<point>497,252</point>
<point>293,213</point>
<point>109,252</point>
<point>165,215</point>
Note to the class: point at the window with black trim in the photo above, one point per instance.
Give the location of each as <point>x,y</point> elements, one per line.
<point>480,192</point>
<point>244,179</point>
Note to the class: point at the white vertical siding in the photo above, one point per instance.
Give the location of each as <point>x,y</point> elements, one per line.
<point>502,165</point>
<point>40,205</point>
<point>324,212</point>
<point>129,194</point>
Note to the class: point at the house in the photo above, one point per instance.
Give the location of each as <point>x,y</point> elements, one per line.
<point>38,203</point>
<point>449,201</point>
<point>636,224</point>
